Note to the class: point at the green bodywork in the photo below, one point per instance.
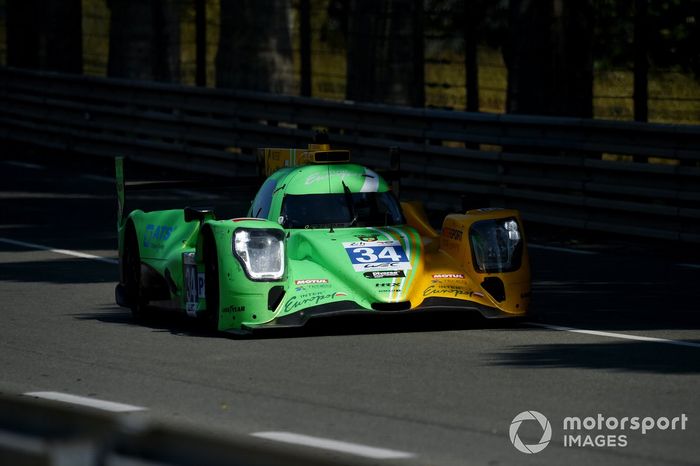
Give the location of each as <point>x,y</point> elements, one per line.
<point>319,272</point>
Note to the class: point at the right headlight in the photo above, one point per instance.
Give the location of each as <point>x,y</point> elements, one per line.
<point>261,252</point>
<point>496,245</point>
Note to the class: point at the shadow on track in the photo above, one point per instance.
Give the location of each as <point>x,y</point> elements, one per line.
<point>178,324</point>
<point>646,357</point>
<point>637,290</point>
<point>61,271</point>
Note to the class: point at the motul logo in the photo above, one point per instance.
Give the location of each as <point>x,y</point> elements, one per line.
<point>448,275</point>
<point>310,281</point>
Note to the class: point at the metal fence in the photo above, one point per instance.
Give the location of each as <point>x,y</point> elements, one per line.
<point>622,177</point>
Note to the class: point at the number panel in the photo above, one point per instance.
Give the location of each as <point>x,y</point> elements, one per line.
<point>377,256</point>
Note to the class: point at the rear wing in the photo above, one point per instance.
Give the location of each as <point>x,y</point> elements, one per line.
<point>272,159</point>
<point>239,182</point>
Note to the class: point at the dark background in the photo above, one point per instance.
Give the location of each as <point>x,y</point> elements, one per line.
<point>627,59</point>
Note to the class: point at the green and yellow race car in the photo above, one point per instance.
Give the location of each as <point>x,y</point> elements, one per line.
<point>323,237</point>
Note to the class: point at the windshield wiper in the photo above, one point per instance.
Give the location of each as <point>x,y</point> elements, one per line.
<point>350,203</point>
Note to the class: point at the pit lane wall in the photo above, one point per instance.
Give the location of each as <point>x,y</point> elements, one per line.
<point>612,176</point>
<point>36,432</point>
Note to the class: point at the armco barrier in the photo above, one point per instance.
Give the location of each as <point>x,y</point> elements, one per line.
<point>629,178</point>
<point>46,433</point>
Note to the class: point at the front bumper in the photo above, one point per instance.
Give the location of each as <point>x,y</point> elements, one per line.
<point>300,318</point>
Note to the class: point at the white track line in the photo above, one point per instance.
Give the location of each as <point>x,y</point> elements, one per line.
<point>560,249</point>
<point>84,401</point>
<point>335,445</point>
<point>65,252</point>
<point>32,166</point>
<point>623,336</point>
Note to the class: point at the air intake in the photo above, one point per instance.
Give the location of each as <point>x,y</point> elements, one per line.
<point>389,307</point>
<point>495,288</point>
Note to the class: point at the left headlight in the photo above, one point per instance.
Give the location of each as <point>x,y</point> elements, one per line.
<point>261,252</point>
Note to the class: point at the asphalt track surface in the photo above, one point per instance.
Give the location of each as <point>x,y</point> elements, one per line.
<point>441,389</point>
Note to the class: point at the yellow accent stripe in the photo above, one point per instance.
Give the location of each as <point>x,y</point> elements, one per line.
<point>411,247</point>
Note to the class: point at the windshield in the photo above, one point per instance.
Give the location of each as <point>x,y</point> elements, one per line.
<point>341,210</point>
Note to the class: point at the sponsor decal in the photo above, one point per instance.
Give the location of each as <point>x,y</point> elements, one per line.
<point>309,299</point>
<point>233,309</point>
<point>449,275</point>
<point>155,235</point>
<point>194,284</point>
<point>377,256</point>
<point>382,266</point>
<point>367,238</point>
<point>200,285</point>
<point>454,291</point>
<point>452,233</point>
<point>323,177</point>
<point>369,243</point>
<point>387,285</point>
<point>191,309</point>
<point>311,281</point>
<point>385,274</point>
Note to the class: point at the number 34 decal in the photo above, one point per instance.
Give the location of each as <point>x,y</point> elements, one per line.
<point>368,254</point>
<point>377,256</point>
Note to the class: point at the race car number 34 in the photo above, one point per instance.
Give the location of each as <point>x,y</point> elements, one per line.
<point>377,256</point>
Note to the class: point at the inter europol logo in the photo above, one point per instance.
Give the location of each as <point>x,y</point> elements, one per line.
<point>546,432</point>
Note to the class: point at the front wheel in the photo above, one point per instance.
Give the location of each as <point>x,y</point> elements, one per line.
<point>132,275</point>
<point>211,281</point>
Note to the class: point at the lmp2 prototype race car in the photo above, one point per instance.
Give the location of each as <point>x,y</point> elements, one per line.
<point>322,237</point>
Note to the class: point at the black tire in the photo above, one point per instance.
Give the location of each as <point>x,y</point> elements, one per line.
<point>132,275</point>
<point>211,281</point>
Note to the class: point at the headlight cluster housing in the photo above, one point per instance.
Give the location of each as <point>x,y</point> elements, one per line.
<point>496,245</point>
<point>260,252</point>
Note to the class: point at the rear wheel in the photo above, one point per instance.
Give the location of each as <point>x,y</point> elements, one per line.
<point>211,281</point>
<point>132,274</point>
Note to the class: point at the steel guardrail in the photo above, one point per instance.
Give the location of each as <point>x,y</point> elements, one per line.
<point>623,177</point>
<point>36,432</point>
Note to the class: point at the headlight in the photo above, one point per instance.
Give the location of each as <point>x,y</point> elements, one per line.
<point>261,252</point>
<point>496,245</point>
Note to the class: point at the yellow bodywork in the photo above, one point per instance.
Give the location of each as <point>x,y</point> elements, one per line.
<point>446,269</point>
